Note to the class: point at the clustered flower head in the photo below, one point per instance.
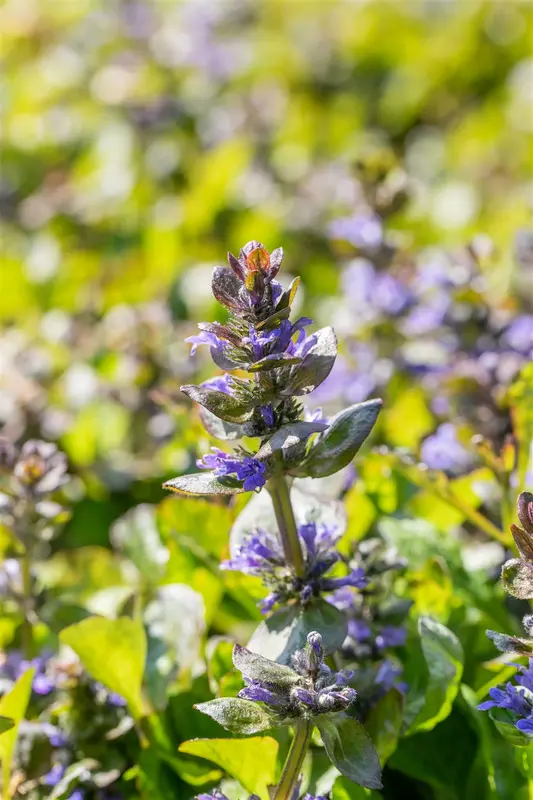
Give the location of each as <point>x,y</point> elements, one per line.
<point>268,362</point>
<point>29,477</point>
<point>374,618</point>
<point>516,697</point>
<point>246,469</point>
<point>313,688</point>
<point>261,554</point>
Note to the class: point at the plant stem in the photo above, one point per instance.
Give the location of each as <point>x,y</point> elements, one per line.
<point>293,764</point>
<point>27,629</point>
<point>447,494</point>
<point>279,491</point>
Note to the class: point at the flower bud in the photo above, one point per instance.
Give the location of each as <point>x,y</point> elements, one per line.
<point>525,511</point>
<point>315,652</point>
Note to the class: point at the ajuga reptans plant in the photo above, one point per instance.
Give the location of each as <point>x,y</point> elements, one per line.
<point>512,705</point>
<point>268,363</point>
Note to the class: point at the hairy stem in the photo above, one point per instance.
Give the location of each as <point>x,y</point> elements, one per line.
<point>293,764</point>
<point>27,628</point>
<point>279,491</point>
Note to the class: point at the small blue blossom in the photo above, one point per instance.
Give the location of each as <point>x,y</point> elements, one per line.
<point>443,451</point>
<point>15,665</point>
<point>245,468</point>
<point>53,777</point>
<point>388,677</point>
<point>519,334</point>
<point>219,382</point>
<point>261,554</point>
<point>515,697</point>
<point>363,230</point>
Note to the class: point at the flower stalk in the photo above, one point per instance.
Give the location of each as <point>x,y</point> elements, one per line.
<point>27,600</point>
<point>281,499</point>
<point>293,765</point>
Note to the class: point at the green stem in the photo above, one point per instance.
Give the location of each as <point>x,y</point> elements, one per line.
<point>27,628</point>
<point>279,491</point>
<point>447,494</point>
<point>293,764</point>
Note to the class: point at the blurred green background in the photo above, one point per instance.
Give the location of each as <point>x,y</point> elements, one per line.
<point>144,139</point>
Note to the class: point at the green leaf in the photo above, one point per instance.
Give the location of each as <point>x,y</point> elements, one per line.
<point>384,723</point>
<point>444,658</point>
<point>441,758</point>
<point>251,762</point>
<point>201,483</point>
<point>286,630</point>
<point>195,522</point>
<point>219,660</point>
<point>256,667</point>
<point>13,706</point>
<point>238,715</point>
<point>174,639</point>
<point>504,722</point>
<point>343,789</point>
<point>350,749</point>
<point>495,753</point>
<point>6,724</point>
<point>136,535</point>
<point>113,651</point>
<point>337,446</point>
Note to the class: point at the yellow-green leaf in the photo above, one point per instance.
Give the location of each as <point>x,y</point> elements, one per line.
<point>252,761</point>
<point>13,705</point>
<point>113,651</point>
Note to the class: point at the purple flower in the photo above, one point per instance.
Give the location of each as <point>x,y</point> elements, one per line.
<point>519,334</point>
<point>54,735</point>
<point>15,665</point>
<point>277,340</point>
<point>261,554</point>
<point>515,697</point>
<point>53,777</point>
<point>391,636</point>
<point>315,688</point>
<point>205,337</point>
<point>443,451</point>
<point>387,677</point>
<point>358,630</point>
<point>219,382</point>
<point>363,230</point>
<point>390,295</point>
<point>246,469</point>
<point>254,690</point>
<point>267,412</point>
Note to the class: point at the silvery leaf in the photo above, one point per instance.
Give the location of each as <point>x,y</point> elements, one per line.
<point>202,483</point>
<point>237,715</point>
<point>219,403</point>
<point>219,428</point>
<point>288,436</point>
<point>257,667</point>
<point>336,447</point>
